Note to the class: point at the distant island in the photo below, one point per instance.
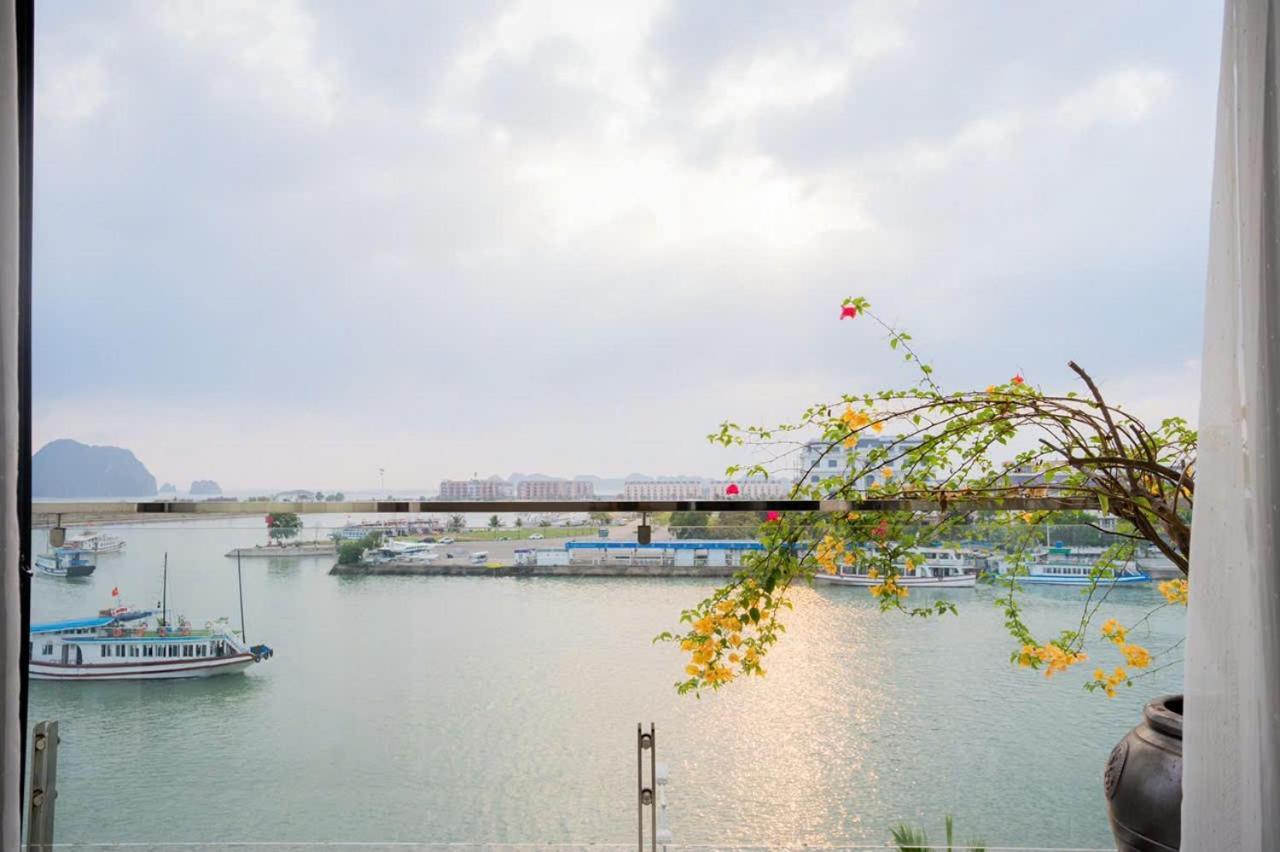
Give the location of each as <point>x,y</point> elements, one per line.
<point>65,468</point>
<point>205,488</point>
<point>168,488</point>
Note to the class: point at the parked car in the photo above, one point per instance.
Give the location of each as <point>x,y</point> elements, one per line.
<point>536,537</point>
<point>446,540</point>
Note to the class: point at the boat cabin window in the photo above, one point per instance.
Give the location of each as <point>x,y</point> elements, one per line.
<point>119,650</point>
<point>106,650</point>
<point>133,650</point>
<point>47,649</point>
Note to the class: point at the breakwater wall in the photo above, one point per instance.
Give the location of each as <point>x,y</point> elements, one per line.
<point>418,569</point>
<point>261,552</point>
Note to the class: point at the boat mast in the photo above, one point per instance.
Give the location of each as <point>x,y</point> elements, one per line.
<point>164,592</point>
<point>240,584</point>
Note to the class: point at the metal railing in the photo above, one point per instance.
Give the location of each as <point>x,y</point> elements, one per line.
<point>234,507</point>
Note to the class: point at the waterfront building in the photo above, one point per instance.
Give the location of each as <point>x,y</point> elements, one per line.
<point>753,489</point>
<point>554,489</point>
<point>672,489</point>
<point>664,553</point>
<point>819,461</point>
<point>493,488</point>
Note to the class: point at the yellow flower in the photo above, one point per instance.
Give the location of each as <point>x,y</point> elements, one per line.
<point>854,419</point>
<point>735,640</point>
<point>1099,674</point>
<point>874,574</point>
<point>886,472</point>
<point>1113,630</point>
<point>1028,517</point>
<point>693,670</point>
<point>876,590</point>
<point>687,645</point>
<point>877,427</point>
<point>704,625</point>
<point>1174,591</point>
<point>991,388</point>
<point>851,442</point>
<point>853,516</point>
<point>1136,656</point>
<point>733,658</point>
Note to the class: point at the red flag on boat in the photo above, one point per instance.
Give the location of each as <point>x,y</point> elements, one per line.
<point>115,591</point>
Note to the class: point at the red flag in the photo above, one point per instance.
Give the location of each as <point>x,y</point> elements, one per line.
<point>115,592</point>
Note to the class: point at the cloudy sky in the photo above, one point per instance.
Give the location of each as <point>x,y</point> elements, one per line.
<point>285,244</point>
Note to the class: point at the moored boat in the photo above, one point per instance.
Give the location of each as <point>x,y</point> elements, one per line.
<point>1062,566</point>
<point>97,542</point>
<point>125,646</point>
<point>66,563</point>
<point>930,567</point>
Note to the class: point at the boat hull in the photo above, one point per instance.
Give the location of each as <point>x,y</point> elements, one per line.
<point>159,670</point>
<point>66,572</point>
<point>967,581</point>
<point>1053,580</point>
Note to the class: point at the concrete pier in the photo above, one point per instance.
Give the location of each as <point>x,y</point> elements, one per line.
<point>419,569</point>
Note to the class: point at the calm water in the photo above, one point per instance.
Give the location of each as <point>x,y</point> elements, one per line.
<point>504,710</point>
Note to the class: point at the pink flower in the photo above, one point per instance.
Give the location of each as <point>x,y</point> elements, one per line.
<point>848,312</point>
<point>732,489</point>
<point>772,517</point>
<point>1017,379</point>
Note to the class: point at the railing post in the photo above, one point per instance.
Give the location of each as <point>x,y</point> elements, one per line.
<point>44,787</point>
<point>645,796</point>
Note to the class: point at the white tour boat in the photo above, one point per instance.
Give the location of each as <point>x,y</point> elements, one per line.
<point>97,542</point>
<point>120,644</point>
<point>66,562</point>
<point>935,568</point>
<point>1062,566</point>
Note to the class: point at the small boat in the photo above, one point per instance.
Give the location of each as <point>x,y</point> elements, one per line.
<point>934,567</point>
<point>125,646</point>
<point>1062,566</point>
<point>97,542</point>
<point>66,563</point>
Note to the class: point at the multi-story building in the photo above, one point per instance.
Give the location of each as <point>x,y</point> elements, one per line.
<point>493,488</point>
<point>554,489</point>
<point>820,461</point>
<point>753,489</point>
<point>674,489</point>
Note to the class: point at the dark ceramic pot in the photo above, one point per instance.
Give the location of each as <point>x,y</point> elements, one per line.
<point>1143,780</point>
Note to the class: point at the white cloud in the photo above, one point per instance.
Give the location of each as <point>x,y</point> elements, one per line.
<point>769,81</point>
<point>1156,393</point>
<point>271,44</point>
<point>75,90</point>
<point>1118,97</point>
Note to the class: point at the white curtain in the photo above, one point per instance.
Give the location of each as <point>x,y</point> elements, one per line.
<point>10,624</point>
<point>1231,768</point>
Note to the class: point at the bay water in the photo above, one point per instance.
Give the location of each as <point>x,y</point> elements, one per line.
<point>504,710</point>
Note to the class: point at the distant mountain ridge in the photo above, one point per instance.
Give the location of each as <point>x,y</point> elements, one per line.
<point>66,468</point>
<point>205,487</point>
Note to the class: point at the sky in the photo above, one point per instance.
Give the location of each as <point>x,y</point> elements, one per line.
<point>287,244</point>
